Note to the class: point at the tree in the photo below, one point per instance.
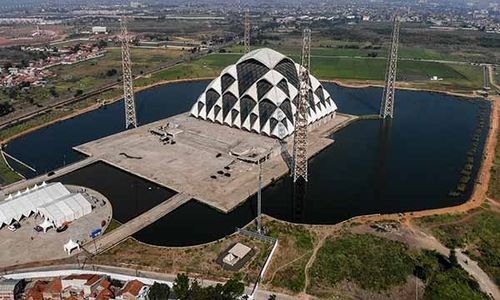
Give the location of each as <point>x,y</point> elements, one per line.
<point>272,297</point>
<point>453,258</point>
<point>233,289</point>
<point>159,291</point>
<point>7,65</point>
<point>111,72</point>
<point>5,108</point>
<point>53,92</point>
<point>102,43</point>
<point>181,286</point>
<point>184,289</point>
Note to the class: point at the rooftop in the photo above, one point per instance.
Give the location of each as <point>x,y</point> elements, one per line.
<point>133,287</point>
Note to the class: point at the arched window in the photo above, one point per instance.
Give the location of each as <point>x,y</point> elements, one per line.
<point>283,85</point>
<point>246,106</point>
<point>226,81</point>
<point>210,99</point>
<point>263,87</point>
<point>286,107</point>
<point>228,101</point>
<point>287,68</point>
<point>249,72</point>
<point>266,109</point>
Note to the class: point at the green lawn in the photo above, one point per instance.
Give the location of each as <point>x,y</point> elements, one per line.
<point>208,66</point>
<point>378,264</point>
<point>455,77</point>
<point>296,245</point>
<point>114,224</point>
<point>371,262</point>
<point>7,176</point>
<point>341,48</point>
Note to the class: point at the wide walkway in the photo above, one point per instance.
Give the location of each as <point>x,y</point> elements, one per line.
<point>126,274</point>
<point>116,236</point>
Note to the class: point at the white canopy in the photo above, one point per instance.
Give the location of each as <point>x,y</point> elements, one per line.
<point>66,209</point>
<point>53,201</point>
<point>46,225</point>
<point>27,202</point>
<point>70,246</point>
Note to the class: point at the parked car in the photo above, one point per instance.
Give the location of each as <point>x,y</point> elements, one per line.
<point>38,228</point>
<point>14,226</point>
<point>62,228</point>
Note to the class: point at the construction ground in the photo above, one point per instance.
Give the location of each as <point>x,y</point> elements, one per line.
<point>214,164</point>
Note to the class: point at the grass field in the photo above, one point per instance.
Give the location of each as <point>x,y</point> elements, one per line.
<point>209,66</point>
<point>380,265</point>
<point>463,78</point>
<point>356,49</point>
<point>195,261</point>
<point>7,176</point>
<point>371,262</point>
<point>295,249</point>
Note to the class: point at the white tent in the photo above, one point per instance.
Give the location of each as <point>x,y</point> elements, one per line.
<point>46,225</point>
<point>70,246</point>
<point>66,209</point>
<point>27,202</point>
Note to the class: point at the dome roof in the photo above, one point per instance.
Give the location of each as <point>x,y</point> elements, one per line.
<point>259,94</point>
<point>266,56</point>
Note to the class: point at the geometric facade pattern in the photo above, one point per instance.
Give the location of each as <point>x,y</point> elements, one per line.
<point>259,93</point>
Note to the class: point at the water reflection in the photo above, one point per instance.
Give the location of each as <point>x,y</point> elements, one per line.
<point>299,196</point>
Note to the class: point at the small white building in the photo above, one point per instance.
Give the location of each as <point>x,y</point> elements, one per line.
<point>236,253</point>
<point>99,30</point>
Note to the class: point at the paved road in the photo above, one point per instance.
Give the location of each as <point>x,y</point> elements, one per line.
<point>485,283</point>
<point>116,236</point>
<point>492,77</point>
<point>427,241</point>
<point>21,185</point>
<point>486,77</point>
<point>125,274</point>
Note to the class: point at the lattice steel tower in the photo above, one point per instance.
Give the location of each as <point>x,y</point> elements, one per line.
<point>387,106</point>
<point>300,136</point>
<point>128,87</point>
<point>246,40</point>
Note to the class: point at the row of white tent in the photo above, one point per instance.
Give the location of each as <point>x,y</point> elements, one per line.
<point>53,201</point>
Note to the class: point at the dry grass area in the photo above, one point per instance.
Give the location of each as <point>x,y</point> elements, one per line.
<point>295,247</point>
<point>195,261</point>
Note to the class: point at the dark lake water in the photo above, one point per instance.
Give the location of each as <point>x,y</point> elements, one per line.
<point>130,195</point>
<point>412,163</point>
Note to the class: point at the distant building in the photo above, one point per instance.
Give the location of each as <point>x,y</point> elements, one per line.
<point>85,283</point>
<point>136,4</point>
<point>99,30</point>
<point>10,288</point>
